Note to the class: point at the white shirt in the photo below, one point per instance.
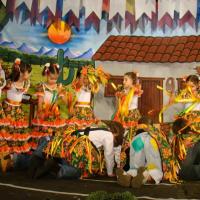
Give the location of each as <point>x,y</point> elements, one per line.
<point>104,138</point>
<point>48,94</point>
<point>84,96</point>
<point>14,95</point>
<point>134,103</point>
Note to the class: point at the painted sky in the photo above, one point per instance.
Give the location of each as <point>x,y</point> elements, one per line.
<point>35,36</point>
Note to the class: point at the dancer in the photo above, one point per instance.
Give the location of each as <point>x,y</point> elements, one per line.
<point>85,86</point>
<point>17,132</point>
<point>47,121</point>
<point>145,159</point>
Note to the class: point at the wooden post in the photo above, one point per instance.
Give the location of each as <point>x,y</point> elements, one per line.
<point>32,103</point>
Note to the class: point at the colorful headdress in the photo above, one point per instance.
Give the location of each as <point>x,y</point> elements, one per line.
<point>95,76</point>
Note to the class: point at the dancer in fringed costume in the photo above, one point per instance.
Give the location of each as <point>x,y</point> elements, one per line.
<point>190,96</point>
<point>186,150</point>
<point>165,153</point>
<point>81,141</point>
<point>85,86</point>
<point>127,111</point>
<point>47,121</point>
<point>90,149</point>
<point>3,121</point>
<point>16,132</point>
<point>145,159</point>
<point>191,112</point>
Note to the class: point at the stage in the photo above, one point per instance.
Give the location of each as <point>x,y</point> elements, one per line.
<point>17,186</point>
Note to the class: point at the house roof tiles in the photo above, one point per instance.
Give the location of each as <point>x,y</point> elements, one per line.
<point>150,49</point>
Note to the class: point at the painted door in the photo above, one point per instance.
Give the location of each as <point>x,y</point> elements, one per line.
<point>151,101</point>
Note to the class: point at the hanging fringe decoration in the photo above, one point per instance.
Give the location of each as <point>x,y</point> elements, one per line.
<point>187,18</point>
<point>120,14</point>
<point>25,13</point>
<point>92,20</point>
<point>46,18</point>
<point>34,12</point>
<point>72,19</point>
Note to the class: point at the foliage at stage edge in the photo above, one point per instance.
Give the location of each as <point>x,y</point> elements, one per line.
<point>102,195</point>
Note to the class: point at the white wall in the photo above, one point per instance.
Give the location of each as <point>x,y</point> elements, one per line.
<point>105,106</point>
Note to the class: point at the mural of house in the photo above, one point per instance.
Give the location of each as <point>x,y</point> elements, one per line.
<point>155,59</point>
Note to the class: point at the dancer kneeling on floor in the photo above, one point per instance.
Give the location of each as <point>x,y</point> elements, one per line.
<point>82,149</point>
<point>186,148</point>
<point>145,160</point>
<point>69,165</point>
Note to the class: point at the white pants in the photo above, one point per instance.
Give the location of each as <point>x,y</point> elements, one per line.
<point>144,152</point>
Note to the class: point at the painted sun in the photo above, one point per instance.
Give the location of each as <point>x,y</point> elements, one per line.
<point>59,32</point>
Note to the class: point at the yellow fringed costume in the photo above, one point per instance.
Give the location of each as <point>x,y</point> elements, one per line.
<point>82,113</point>
<point>179,143</point>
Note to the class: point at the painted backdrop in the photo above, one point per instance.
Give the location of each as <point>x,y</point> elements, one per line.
<point>79,27</point>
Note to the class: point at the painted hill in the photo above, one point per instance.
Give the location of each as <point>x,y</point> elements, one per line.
<point>41,51</point>
<point>86,55</point>
<point>51,52</point>
<point>69,54</point>
<point>8,44</point>
<point>25,48</point>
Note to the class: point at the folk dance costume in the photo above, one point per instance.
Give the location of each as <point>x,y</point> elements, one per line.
<point>47,121</point>
<point>144,152</point>
<point>179,144</point>
<point>82,114</point>
<point>82,148</point>
<point>83,111</point>
<point>128,115</point>
<point>145,161</point>
<point>183,146</point>
<point>191,110</point>
<point>166,154</point>
<point>17,133</point>
<point>81,141</point>
<point>2,80</point>
<point>3,119</point>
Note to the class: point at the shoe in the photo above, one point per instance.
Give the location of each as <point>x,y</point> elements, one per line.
<point>137,181</point>
<point>123,180</point>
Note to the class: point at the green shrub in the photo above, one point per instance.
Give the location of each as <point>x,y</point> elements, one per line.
<point>102,195</point>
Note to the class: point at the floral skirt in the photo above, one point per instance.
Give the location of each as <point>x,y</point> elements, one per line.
<point>84,117</point>
<point>194,118</point>
<point>51,126</point>
<point>130,123</point>
<point>16,132</point>
<point>78,151</point>
<point>128,137</point>
<point>166,154</point>
<point>131,119</point>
